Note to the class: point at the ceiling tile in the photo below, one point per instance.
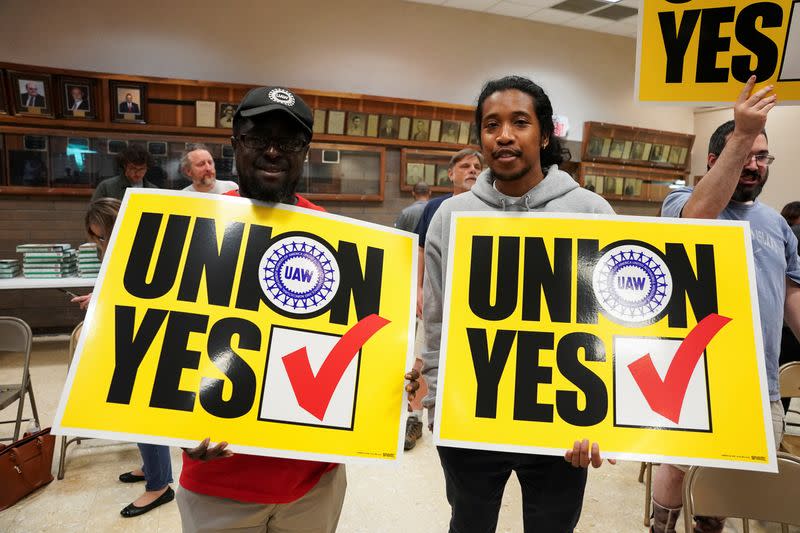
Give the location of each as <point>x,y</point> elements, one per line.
<point>579,6</point>
<point>620,28</point>
<point>551,16</point>
<point>586,22</point>
<point>510,9</point>
<point>615,12</point>
<point>475,5</point>
<point>535,3</point>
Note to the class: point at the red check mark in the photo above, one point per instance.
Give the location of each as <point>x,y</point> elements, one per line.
<point>314,393</point>
<point>666,397</point>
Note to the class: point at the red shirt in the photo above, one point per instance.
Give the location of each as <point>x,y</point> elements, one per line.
<point>253,478</point>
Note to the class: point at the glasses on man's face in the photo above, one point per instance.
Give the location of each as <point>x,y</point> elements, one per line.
<point>257,142</point>
<point>763,160</point>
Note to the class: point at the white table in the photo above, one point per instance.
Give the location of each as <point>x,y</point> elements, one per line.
<point>21,282</point>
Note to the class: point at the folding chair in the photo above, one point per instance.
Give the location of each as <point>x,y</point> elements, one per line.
<point>73,344</point>
<point>744,494</point>
<point>15,337</point>
<point>646,477</point>
<point>789,378</point>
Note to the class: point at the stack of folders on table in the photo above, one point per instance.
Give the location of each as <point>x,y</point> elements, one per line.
<point>9,268</point>
<point>48,260</point>
<point>88,261</point>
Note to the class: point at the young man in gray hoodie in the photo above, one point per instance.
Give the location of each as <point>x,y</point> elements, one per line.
<point>514,117</point>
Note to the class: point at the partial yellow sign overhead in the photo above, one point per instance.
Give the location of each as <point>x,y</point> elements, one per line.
<point>703,51</point>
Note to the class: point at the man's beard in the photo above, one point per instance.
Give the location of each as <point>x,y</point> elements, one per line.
<point>511,177</point>
<point>748,193</point>
<point>272,193</point>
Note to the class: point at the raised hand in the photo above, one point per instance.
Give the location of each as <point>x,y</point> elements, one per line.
<point>750,110</point>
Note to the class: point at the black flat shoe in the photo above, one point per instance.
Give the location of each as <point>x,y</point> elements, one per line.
<point>129,477</point>
<point>131,510</point>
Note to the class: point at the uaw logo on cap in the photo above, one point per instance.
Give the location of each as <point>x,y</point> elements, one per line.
<point>281,96</point>
<point>632,284</point>
<point>299,275</point>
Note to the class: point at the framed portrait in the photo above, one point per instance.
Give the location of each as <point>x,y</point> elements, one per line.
<point>372,125</point>
<point>660,153</point>
<point>612,185</point>
<point>28,169</point>
<point>388,128</point>
<point>595,147</point>
<point>463,133</point>
<point>450,130</point>
<point>319,121</point>
<point>593,183</point>
<point>33,93</point>
<point>617,146</point>
<point>682,157</point>
<point>420,129</point>
<point>415,173</point>
<point>115,146</point>
<point>637,150</point>
<point>35,143</point>
<point>674,155</point>
<point>442,178</point>
<point>473,134</point>
<point>78,97</point>
<point>430,173</point>
<point>157,148</point>
<point>435,130</point>
<point>226,112</point>
<point>404,129</point>
<point>128,102</point>
<point>356,124</point>
<point>336,122</point>
<point>3,99</point>
<point>626,151</point>
<point>632,187</point>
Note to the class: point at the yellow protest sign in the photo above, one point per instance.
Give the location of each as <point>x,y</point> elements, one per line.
<point>641,334</point>
<point>703,51</point>
<point>284,331</point>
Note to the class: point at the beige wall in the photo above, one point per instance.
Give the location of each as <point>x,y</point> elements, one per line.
<point>782,122</point>
<point>379,47</point>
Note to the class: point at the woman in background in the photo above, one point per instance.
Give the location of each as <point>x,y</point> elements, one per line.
<point>790,348</point>
<point>156,470</point>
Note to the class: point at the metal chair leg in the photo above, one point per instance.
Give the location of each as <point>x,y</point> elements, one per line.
<point>648,497</point>
<point>33,403</point>
<point>62,457</point>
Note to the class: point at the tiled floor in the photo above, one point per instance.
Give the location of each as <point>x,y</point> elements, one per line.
<point>407,497</point>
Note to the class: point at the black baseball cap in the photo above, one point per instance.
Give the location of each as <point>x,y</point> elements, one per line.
<point>265,99</point>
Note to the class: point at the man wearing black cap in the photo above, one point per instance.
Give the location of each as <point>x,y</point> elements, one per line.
<point>220,491</point>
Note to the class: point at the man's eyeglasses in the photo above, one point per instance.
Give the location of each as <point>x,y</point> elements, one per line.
<point>256,142</point>
<point>763,160</point>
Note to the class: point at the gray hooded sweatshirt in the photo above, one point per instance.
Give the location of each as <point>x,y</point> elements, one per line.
<point>557,192</point>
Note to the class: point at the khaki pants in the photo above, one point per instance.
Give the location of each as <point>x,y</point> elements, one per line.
<point>316,512</point>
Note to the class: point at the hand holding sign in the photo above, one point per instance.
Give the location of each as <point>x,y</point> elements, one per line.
<point>413,383</point>
<point>203,453</point>
<point>579,457</point>
<point>750,111</point>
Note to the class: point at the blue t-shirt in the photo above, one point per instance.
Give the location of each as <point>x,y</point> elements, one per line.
<point>775,255</point>
<point>427,216</point>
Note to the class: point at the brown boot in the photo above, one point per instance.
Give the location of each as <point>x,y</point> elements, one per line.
<point>664,519</point>
<point>709,524</point>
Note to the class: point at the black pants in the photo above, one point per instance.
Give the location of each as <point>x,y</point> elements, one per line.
<point>552,490</point>
<point>790,351</point>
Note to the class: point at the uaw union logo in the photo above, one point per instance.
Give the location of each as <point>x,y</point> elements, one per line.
<point>281,96</point>
<point>299,275</point>
<point>632,284</point>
